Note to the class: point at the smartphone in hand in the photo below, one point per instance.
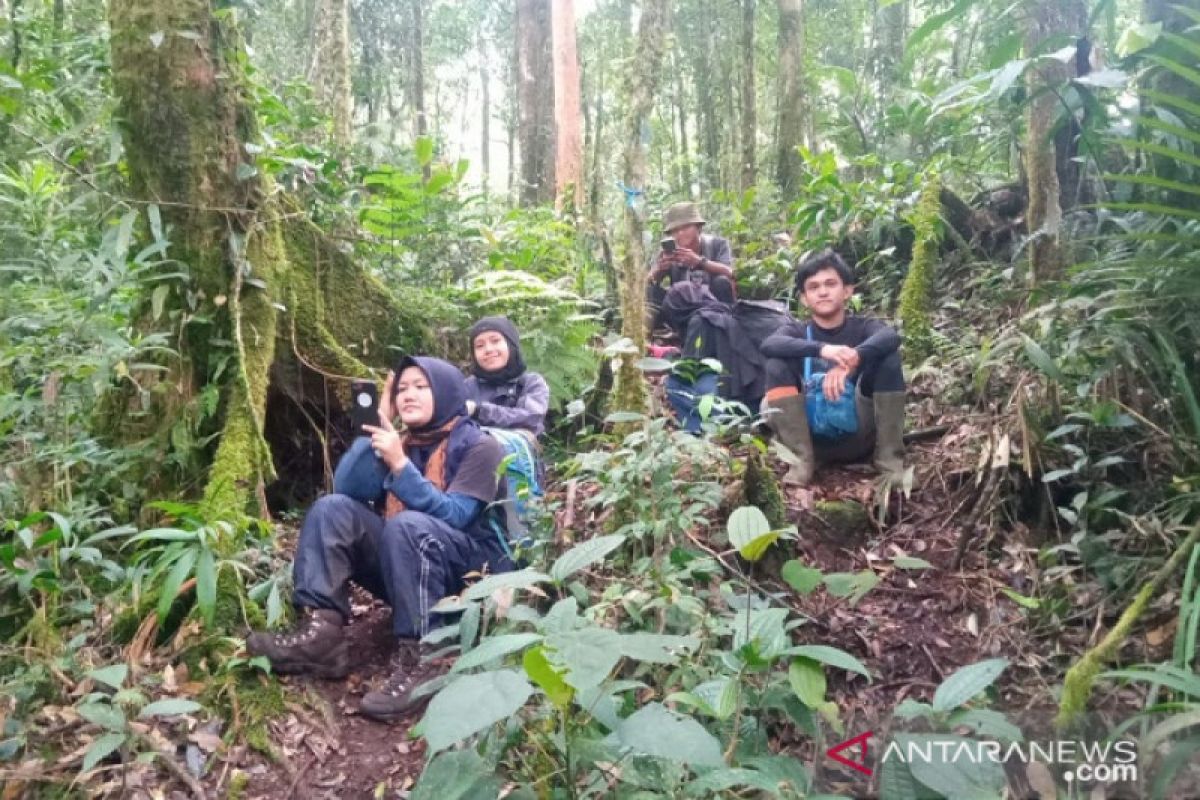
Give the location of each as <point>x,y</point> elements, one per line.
<point>668,245</point>
<point>364,405</point>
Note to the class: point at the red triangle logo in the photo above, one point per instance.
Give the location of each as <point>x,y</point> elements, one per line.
<point>860,763</point>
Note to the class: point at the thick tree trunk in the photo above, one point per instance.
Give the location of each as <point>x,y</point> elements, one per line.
<point>329,71</point>
<point>749,97</point>
<point>641,89</point>
<point>1044,214</point>
<point>535,101</point>
<point>261,277</point>
<point>568,152</point>
<point>791,95</point>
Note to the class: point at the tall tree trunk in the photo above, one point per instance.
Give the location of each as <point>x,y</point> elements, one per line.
<point>641,88</point>
<point>749,98</point>
<point>791,95</point>
<point>418,74</point>
<point>685,160</point>
<point>329,71</point>
<point>568,150</point>
<point>485,114</point>
<point>1044,214</point>
<point>14,26</point>
<point>597,168</point>
<point>261,277</point>
<point>535,101</point>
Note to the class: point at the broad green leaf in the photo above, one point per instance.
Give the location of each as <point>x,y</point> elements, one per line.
<point>961,779</point>
<point>206,585</point>
<point>104,715</point>
<point>521,579</point>
<point>718,782</point>
<point>423,150</point>
<point>621,417</point>
<point>170,588</point>
<point>1138,37</point>
<point>158,299</point>
<point>896,781</point>
<point>656,648</point>
<point>101,747</point>
<point>966,683</point>
<point>655,731</point>
<point>494,647</point>
<point>802,578</point>
<point>588,654</point>
<point>471,704</point>
<point>989,723</point>
<point>766,628</point>
<point>746,525</point>
<point>911,562</point>
<point>457,775</point>
<point>548,679</point>
<point>853,586</point>
<point>831,656</point>
<point>113,676</point>
<point>1041,359</point>
<point>717,697</point>
<point>808,681</point>
<point>584,554</point>
<point>169,708</point>
<point>913,709</point>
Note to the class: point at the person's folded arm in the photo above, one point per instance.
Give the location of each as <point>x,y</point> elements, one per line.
<point>419,494</point>
<point>790,342</point>
<point>360,473</point>
<point>529,413</point>
<point>882,340</point>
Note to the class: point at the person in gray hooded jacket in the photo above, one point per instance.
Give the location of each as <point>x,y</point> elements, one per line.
<point>503,392</point>
<point>510,402</point>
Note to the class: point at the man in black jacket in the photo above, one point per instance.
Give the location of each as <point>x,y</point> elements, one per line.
<point>844,347</point>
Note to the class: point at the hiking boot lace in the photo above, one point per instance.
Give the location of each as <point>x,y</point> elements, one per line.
<point>300,634</point>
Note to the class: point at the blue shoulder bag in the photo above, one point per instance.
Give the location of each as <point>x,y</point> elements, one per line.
<point>828,419</point>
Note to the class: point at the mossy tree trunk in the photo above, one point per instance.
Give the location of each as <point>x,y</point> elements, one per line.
<point>641,89</point>
<point>260,275</point>
<point>330,69</point>
<point>1046,19</point>
<point>916,296</point>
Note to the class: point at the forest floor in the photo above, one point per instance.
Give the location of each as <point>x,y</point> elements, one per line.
<point>912,629</point>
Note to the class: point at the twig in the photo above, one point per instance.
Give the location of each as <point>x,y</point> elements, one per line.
<point>173,766</point>
<point>291,792</point>
<point>925,649</point>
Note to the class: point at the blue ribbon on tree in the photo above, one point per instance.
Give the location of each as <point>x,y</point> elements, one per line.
<point>631,194</point>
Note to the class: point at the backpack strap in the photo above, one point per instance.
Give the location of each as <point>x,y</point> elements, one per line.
<point>808,359</point>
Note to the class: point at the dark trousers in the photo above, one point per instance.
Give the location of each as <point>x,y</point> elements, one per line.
<point>720,286</point>
<point>882,375</point>
<point>410,561</point>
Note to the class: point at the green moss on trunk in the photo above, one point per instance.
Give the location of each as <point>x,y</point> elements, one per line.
<point>916,297</point>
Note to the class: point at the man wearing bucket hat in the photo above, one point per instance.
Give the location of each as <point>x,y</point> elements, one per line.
<point>690,254</point>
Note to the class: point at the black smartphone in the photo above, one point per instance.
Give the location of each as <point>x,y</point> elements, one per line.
<point>668,245</point>
<point>364,405</point>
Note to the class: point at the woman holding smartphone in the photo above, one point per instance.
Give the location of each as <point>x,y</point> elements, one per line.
<point>433,483</point>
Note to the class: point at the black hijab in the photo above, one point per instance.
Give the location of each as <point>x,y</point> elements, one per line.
<point>515,367</point>
<point>449,413</point>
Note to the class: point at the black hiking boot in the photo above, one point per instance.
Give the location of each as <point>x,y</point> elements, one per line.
<point>394,698</point>
<point>316,646</point>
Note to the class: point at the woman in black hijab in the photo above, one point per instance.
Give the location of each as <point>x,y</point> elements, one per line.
<point>502,393</point>
<point>434,481</point>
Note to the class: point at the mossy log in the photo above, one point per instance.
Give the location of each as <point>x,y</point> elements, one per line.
<point>260,274</point>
